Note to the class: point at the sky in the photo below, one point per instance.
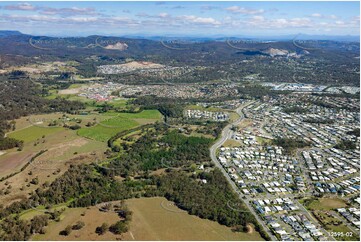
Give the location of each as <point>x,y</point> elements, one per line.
<point>181,18</point>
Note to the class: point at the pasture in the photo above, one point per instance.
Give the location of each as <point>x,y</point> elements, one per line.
<point>153,219</point>
<point>158,219</point>
<point>63,147</point>
<point>33,133</point>
<point>92,219</point>
<point>122,121</point>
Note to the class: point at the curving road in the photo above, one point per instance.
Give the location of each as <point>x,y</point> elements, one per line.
<point>227,134</point>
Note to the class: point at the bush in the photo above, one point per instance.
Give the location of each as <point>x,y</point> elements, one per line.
<point>78,225</point>
<point>66,231</point>
<point>102,229</point>
<point>119,227</point>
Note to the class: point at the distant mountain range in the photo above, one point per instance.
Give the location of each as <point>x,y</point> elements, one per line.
<point>4,33</point>
<point>347,38</point>
<point>317,61</point>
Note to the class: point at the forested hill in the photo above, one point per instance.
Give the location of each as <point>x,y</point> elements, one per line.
<point>325,61</point>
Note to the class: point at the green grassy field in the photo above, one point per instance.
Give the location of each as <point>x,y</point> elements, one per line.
<point>33,133</point>
<point>146,114</point>
<point>327,204</point>
<point>123,121</point>
<point>40,210</point>
<point>102,133</point>
<point>232,143</point>
<point>119,102</point>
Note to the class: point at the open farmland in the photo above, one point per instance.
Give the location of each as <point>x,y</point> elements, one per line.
<point>123,121</point>
<point>33,133</point>
<point>56,149</point>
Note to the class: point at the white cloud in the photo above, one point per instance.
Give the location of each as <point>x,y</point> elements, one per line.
<point>316,15</point>
<point>68,11</point>
<point>258,18</point>
<point>21,7</point>
<point>163,15</point>
<point>199,20</point>
<point>339,22</point>
<point>242,10</point>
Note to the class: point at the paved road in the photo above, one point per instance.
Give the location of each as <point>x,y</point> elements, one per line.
<point>314,221</point>
<point>227,134</point>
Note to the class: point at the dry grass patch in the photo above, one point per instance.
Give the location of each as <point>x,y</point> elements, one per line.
<point>151,221</point>
<point>92,219</point>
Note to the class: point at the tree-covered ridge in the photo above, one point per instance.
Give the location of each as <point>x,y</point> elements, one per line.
<point>330,62</point>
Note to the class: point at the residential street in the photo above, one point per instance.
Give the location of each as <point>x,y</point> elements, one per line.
<point>226,134</point>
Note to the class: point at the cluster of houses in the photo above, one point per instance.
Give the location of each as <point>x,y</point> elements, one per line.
<point>302,87</point>
<point>230,104</point>
<point>100,92</point>
<point>345,187</point>
<point>347,89</point>
<point>322,126</point>
<point>247,140</point>
<point>170,90</point>
<point>278,205</point>
<point>299,87</point>
<point>324,163</point>
<point>258,170</point>
<point>331,166</point>
<point>206,115</point>
<point>303,227</point>
<point>294,227</point>
<point>352,215</point>
<point>129,67</point>
<point>264,171</point>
